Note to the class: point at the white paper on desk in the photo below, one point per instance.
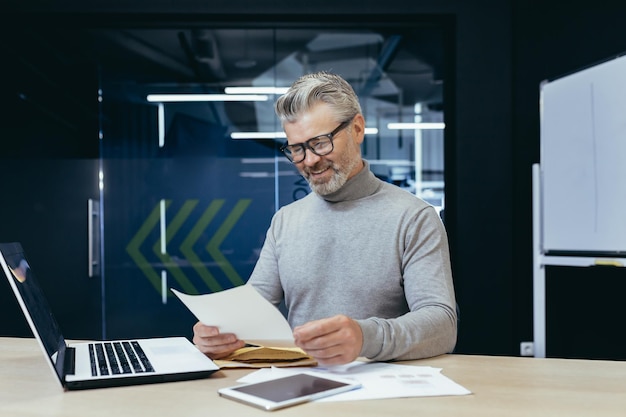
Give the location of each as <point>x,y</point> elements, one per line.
<point>243,311</point>
<point>379,380</point>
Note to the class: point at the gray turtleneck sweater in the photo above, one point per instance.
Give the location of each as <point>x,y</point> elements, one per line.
<point>371,251</point>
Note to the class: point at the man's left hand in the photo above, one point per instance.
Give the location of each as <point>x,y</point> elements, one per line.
<point>332,341</point>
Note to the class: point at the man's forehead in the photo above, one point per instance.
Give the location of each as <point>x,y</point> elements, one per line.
<point>318,120</point>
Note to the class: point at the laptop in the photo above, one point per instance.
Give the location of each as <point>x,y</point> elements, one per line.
<point>100,363</point>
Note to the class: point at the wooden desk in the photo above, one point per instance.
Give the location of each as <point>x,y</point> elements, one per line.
<point>501,386</point>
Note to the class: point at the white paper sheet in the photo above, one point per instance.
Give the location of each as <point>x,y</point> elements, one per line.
<point>378,379</point>
<point>242,311</point>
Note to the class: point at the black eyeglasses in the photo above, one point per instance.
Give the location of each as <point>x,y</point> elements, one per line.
<point>320,145</point>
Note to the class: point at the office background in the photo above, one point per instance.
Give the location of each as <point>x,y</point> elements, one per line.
<point>497,52</point>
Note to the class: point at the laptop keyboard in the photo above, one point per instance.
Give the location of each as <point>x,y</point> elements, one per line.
<point>114,358</point>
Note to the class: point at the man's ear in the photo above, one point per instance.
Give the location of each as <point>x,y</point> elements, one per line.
<point>358,128</point>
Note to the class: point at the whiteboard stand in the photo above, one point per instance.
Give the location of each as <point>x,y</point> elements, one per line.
<point>540,261</point>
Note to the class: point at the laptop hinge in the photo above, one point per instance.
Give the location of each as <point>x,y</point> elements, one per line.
<point>68,365</point>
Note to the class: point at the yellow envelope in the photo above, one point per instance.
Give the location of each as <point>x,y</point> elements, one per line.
<point>265,357</point>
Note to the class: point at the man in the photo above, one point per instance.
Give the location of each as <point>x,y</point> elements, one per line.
<point>363,266</point>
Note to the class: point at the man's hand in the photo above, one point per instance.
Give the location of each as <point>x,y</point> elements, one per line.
<point>332,341</point>
<point>214,344</point>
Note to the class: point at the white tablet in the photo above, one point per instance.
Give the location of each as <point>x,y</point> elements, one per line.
<point>289,390</point>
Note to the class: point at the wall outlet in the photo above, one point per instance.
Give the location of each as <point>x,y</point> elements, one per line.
<point>526,349</point>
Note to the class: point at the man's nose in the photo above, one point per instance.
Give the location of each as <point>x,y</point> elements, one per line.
<point>310,158</point>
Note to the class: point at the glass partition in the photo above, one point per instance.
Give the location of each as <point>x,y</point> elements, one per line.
<point>190,169</point>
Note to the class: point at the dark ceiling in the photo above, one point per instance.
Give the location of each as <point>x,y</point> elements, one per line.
<point>52,61</point>
<point>217,58</point>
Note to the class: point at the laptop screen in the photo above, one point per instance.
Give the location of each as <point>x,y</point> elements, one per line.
<point>33,301</point>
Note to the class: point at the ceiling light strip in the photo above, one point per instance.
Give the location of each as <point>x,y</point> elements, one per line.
<point>258,135</point>
<point>416,126</point>
<point>279,135</point>
<point>256,90</point>
<point>178,98</point>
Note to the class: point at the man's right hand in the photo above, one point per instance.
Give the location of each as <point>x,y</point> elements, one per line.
<point>214,344</point>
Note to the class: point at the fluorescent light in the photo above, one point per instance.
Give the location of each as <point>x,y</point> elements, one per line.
<point>279,135</point>
<point>413,126</point>
<point>256,90</point>
<point>161,124</point>
<point>164,98</point>
<point>257,135</point>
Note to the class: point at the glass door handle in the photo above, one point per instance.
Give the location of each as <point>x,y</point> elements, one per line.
<point>93,239</point>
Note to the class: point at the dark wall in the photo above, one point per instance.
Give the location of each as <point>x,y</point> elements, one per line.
<point>503,49</point>
<point>552,38</point>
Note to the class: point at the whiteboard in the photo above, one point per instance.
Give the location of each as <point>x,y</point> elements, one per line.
<point>583,160</point>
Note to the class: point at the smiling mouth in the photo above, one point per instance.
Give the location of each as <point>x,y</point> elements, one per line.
<point>319,171</point>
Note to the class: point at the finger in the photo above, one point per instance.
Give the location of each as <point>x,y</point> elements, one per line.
<point>203,330</point>
<point>215,341</point>
<point>314,329</point>
<point>214,344</point>
<point>334,355</point>
<point>333,360</point>
<point>328,331</point>
<point>219,346</point>
<point>318,342</point>
<point>333,341</point>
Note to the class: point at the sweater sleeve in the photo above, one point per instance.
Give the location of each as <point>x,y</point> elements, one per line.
<point>265,276</point>
<point>430,327</point>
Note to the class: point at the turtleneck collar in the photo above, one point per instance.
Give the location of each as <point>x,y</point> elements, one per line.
<point>363,184</point>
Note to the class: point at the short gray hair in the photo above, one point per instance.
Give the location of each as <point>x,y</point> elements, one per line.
<point>310,89</point>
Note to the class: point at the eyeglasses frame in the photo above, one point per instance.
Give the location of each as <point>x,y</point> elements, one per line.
<point>305,145</point>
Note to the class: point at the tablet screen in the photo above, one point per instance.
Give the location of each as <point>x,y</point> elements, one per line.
<point>283,389</point>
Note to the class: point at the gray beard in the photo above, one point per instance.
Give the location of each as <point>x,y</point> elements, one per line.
<point>337,181</point>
